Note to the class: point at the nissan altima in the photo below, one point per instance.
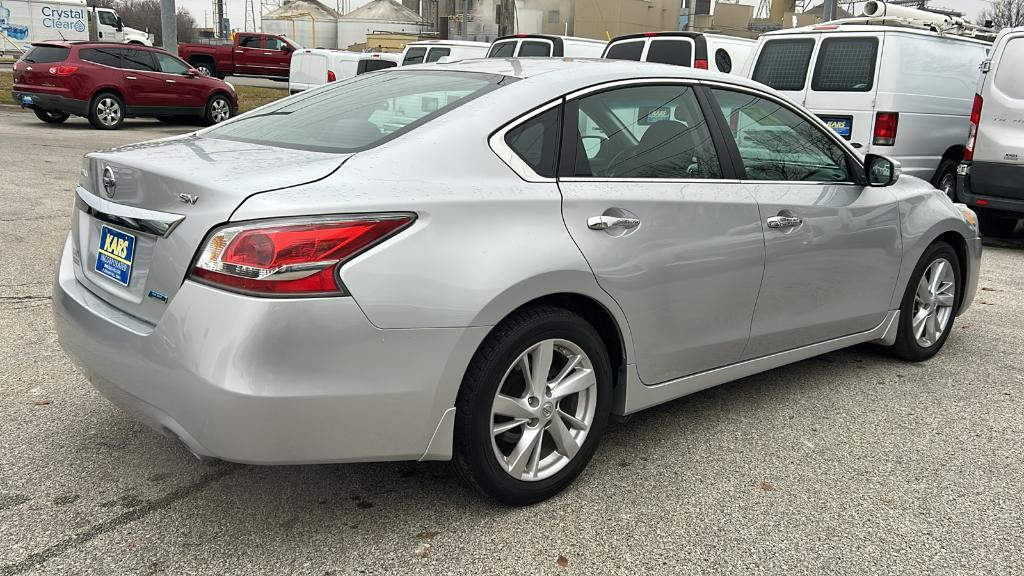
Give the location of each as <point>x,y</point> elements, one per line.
<point>482,261</point>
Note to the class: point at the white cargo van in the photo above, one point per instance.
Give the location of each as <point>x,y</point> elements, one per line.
<point>716,52</point>
<point>899,85</point>
<point>991,178</point>
<point>545,45</point>
<point>312,67</point>
<point>426,51</point>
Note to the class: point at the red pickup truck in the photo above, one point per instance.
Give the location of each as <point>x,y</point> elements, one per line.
<point>252,54</point>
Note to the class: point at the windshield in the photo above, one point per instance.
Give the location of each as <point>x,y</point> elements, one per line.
<point>358,113</point>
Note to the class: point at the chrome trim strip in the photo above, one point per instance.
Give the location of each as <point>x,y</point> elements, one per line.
<point>138,219</point>
<point>654,180</point>
<point>508,156</point>
<point>632,81</point>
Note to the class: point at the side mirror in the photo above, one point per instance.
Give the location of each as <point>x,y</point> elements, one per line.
<point>192,73</point>
<point>881,171</point>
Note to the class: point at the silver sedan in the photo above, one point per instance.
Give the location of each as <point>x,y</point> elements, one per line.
<point>482,261</point>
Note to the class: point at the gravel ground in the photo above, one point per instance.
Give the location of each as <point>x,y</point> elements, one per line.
<point>851,463</point>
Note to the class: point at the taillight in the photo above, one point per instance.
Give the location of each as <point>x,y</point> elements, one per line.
<point>330,76</point>
<point>702,64</point>
<point>63,70</point>
<point>972,133</point>
<point>290,258</point>
<point>886,124</point>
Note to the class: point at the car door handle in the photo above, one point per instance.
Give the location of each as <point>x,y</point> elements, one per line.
<point>606,222</point>
<point>130,78</point>
<point>784,221</point>
<point>169,81</point>
<point>268,53</point>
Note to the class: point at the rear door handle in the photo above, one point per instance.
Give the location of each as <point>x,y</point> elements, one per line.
<point>606,222</point>
<point>268,53</point>
<point>169,81</point>
<point>130,78</point>
<point>784,221</point>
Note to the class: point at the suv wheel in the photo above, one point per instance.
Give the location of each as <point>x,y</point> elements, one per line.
<point>533,406</point>
<point>218,109</point>
<point>929,304</point>
<point>995,226</point>
<point>51,117</point>
<point>945,178</point>
<point>106,111</point>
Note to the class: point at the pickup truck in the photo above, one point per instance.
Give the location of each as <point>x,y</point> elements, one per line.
<point>251,54</point>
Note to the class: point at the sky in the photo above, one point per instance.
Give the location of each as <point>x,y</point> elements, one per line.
<point>236,8</point>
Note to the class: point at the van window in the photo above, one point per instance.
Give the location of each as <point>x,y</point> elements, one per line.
<point>528,49</point>
<point>372,65</point>
<point>845,65</point>
<point>504,49</point>
<point>536,141</point>
<point>676,52</point>
<point>438,53</point>
<point>1008,77</point>
<point>625,50</point>
<point>105,56</point>
<point>46,54</point>
<point>414,56</point>
<point>723,61</point>
<point>783,63</point>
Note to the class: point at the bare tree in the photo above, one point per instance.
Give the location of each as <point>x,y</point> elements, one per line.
<point>1004,14</point>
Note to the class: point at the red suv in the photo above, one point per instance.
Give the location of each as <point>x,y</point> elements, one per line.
<point>107,83</point>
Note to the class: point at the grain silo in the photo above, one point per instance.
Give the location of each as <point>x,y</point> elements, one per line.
<point>309,22</point>
<point>377,16</point>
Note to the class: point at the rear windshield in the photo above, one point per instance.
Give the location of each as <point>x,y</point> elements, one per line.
<point>502,49</point>
<point>528,48</point>
<point>625,50</point>
<point>783,63</point>
<point>358,113</point>
<point>676,52</point>
<point>845,65</point>
<point>44,54</point>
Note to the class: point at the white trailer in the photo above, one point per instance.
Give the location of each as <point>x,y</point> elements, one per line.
<point>23,22</point>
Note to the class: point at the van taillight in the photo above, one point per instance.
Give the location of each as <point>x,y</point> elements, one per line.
<point>330,76</point>
<point>886,124</point>
<point>972,134</point>
<point>63,70</point>
<point>702,64</point>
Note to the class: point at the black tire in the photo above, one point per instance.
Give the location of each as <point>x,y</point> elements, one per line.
<point>103,102</point>
<point>945,178</point>
<point>474,456</point>
<point>995,226</point>
<point>205,68</point>
<point>907,346</point>
<point>216,107</point>
<point>51,117</point>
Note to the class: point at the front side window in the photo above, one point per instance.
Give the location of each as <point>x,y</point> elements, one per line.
<point>631,50</point>
<point>645,132</point>
<point>677,52</point>
<point>105,56</point>
<point>504,49</point>
<point>414,56</point>
<point>360,112</point>
<point>132,59</point>
<point>108,18</point>
<point>776,143</point>
<point>536,141</point>
<point>250,42</point>
<point>438,53</point>
<point>845,65</point>
<point>782,64</point>
<point>528,49</point>
<point>170,65</point>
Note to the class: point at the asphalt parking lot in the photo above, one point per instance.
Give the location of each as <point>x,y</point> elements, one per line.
<point>851,463</point>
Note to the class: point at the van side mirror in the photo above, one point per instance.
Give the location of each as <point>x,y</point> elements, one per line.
<point>881,171</point>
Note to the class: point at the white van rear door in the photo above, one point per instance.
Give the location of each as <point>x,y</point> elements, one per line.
<point>1000,136</point>
<point>307,69</point>
<point>784,63</point>
<point>842,83</point>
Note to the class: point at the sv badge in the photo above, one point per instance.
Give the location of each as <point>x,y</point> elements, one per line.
<point>188,198</point>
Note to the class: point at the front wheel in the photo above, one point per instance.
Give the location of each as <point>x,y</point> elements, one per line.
<point>218,109</point>
<point>533,406</point>
<point>106,111</point>
<point>929,305</point>
<point>51,117</point>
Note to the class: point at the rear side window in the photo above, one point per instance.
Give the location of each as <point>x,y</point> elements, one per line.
<point>373,65</point>
<point>536,141</point>
<point>438,53</point>
<point>528,49</point>
<point>105,56</point>
<point>723,61</point>
<point>46,54</point>
<point>677,52</point>
<point>414,56</point>
<point>783,63</point>
<point>625,50</point>
<point>1008,78</point>
<point>502,49</point>
<point>138,60</point>
<point>845,65</point>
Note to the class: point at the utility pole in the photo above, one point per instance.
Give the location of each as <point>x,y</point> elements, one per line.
<point>169,26</point>
<point>828,11</point>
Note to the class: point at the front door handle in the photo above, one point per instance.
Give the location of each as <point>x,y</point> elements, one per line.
<point>784,221</point>
<point>606,222</point>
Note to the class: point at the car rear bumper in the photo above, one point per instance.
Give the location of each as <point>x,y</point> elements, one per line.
<point>1007,197</point>
<point>269,381</point>
<point>51,102</point>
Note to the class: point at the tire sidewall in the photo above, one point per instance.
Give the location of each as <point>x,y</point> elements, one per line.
<point>489,474</point>
<point>209,109</point>
<point>906,342</point>
<point>94,117</point>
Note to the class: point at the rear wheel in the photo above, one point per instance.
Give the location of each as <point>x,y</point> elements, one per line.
<point>106,111</point>
<point>994,225</point>
<point>205,67</point>
<point>51,117</point>
<point>945,178</point>
<point>218,109</point>
<point>929,304</point>
<point>533,406</point>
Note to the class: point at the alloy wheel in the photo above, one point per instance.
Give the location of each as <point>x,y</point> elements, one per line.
<point>933,302</point>
<point>219,110</point>
<point>108,111</point>
<point>543,409</point>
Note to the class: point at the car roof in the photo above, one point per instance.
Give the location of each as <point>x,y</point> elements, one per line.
<point>448,43</point>
<point>91,44</point>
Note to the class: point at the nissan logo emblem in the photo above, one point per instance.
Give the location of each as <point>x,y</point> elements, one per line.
<point>109,183</point>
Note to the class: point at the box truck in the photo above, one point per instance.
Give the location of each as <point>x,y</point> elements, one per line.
<point>23,22</point>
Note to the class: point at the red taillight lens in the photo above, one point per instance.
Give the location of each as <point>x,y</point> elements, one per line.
<point>972,134</point>
<point>63,70</point>
<point>702,64</point>
<point>293,258</point>
<point>330,76</point>
<point>886,124</point>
